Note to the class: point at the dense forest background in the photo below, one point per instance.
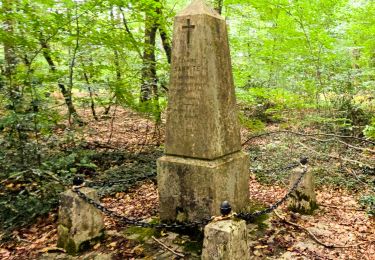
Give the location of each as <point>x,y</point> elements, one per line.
<point>295,63</point>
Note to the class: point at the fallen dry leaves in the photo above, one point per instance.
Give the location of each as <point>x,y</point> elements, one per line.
<point>340,221</point>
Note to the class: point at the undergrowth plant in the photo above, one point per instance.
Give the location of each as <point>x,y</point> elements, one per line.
<point>368,202</point>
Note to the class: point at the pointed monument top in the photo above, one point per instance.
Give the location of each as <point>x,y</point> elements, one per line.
<point>199,7</point>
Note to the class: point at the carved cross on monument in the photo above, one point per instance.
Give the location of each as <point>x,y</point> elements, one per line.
<point>188,27</point>
<point>203,163</point>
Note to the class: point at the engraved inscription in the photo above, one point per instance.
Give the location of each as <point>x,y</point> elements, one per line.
<point>189,76</point>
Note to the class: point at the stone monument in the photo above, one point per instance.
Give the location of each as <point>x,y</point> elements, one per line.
<point>80,224</point>
<point>303,199</point>
<point>203,163</point>
<point>226,240</point>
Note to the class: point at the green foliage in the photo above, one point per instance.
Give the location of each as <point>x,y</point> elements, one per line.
<point>287,56</point>
<point>369,130</point>
<point>267,105</point>
<point>18,209</point>
<point>369,203</point>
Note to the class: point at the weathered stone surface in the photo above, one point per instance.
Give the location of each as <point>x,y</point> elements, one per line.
<point>303,200</point>
<point>202,116</point>
<point>225,240</point>
<point>79,222</point>
<point>197,187</point>
<point>203,164</point>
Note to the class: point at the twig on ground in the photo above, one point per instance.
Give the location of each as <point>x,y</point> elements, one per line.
<point>19,239</point>
<point>142,145</point>
<point>166,247</point>
<point>317,239</point>
<point>336,207</point>
<point>305,134</point>
<point>357,147</point>
<point>360,164</point>
<point>111,125</point>
<point>352,172</point>
<point>96,144</point>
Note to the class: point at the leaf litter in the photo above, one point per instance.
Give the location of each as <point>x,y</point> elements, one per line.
<point>340,220</point>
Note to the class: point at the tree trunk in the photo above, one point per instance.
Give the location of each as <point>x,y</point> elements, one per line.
<point>149,78</point>
<point>9,48</point>
<point>66,92</point>
<point>164,36</point>
<point>91,96</point>
<point>219,6</point>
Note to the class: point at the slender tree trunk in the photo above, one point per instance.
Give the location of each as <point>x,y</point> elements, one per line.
<point>65,91</point>
<point>87,79</point>
<point>117,56</point>
<point>166,44</point>
<point>72,66</point>
<point>164,36</point>
<point>127,29</point>
<point>149,78</point>
<point>219,6</point>
<point>8,43</point>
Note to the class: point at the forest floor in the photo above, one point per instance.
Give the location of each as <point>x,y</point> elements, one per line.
<point>340,221</point>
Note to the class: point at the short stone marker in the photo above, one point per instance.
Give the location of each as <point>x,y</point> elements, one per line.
<point>203,165</point>
<point>303,200</point>
<point>79,223</point>
<point>225,240</point>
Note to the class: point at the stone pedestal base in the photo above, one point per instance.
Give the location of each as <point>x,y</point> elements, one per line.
<point>303,200</point>
<point>79,222</point>
<point>225,240</point>
<point>192,189</point>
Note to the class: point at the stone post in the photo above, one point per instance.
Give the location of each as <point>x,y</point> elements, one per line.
<point>225,240</point>
<point>79,223</point>
<point>203,165</point>
<point>303,200</point>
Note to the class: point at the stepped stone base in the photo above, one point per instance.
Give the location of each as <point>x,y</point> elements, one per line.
<point>192,189</point>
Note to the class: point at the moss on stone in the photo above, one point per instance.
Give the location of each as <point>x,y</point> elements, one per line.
<point>192,243</point>
<point>141,234</point>
<point>70,246</point>
<point>253,207</point>
<point>303,204</point>
<point>194,247</point>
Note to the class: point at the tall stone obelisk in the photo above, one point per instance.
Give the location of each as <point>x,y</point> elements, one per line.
<point>203,165</point>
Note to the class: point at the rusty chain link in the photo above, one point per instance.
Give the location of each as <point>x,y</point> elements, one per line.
<point>178,225</point>
<point>252,216</point>
<point>281,169</point>
<point>129,182</point>
<point>138,222</point>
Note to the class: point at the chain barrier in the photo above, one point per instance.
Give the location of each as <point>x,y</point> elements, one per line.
<point>281,169</point>
<point>138,222</point>
<point>252,216</point>
<point>176,225</point>
<point>129,182</point>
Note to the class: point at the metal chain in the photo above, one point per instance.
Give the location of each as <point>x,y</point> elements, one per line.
<point>129,181</point>
<point>174,225</point>
<point>281,169</point>
<point>252,216</point>
<point>139,222</point>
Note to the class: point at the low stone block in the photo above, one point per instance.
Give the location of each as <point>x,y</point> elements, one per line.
<point>80,224</point>
<point>192,189</point>
<point>303,200</point>
<point>225,240</point>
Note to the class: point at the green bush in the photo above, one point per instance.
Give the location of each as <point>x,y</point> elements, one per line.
<point>369,203</point>
<point>268,104</point>
<point>369,130</point>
